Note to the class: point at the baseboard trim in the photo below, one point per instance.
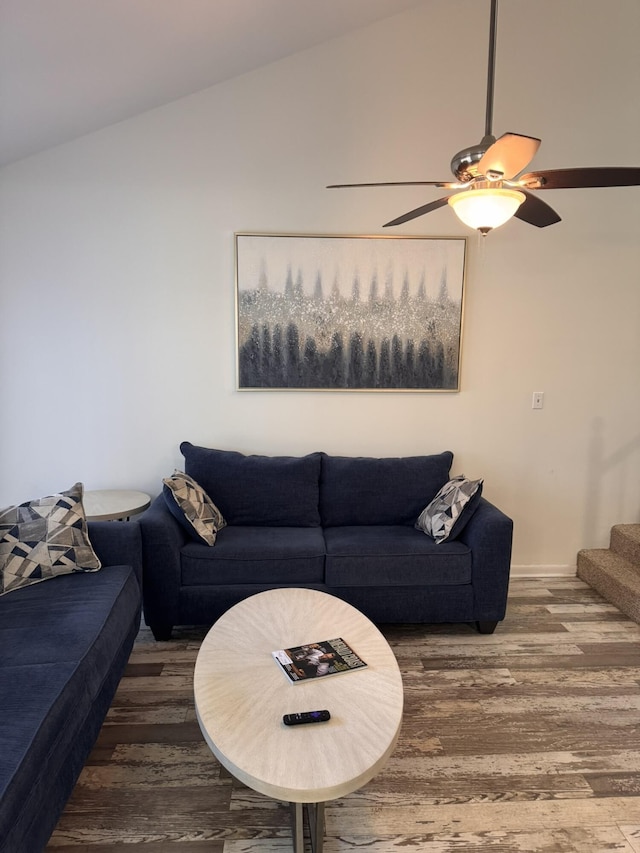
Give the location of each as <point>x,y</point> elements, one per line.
<point>543,571</point>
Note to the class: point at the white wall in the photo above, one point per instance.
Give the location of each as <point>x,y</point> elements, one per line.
<point>117,337</point>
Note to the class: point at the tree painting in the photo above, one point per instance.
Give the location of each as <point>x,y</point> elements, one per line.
<point>349,313</point>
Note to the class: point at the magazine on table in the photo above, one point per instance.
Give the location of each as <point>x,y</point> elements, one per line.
<point>315,660</point>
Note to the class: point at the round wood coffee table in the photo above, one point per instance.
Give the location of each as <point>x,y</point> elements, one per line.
<point>241,695</point>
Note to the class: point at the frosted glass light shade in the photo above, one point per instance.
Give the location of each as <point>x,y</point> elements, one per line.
<point>485,209</point>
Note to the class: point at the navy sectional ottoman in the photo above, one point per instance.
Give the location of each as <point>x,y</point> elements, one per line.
<point>64,645</point>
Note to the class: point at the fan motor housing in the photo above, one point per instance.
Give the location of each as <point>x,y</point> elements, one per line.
<point>464,164</point>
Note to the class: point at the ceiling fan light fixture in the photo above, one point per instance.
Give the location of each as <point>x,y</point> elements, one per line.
<point>485,209</point>
<point>484,168</point>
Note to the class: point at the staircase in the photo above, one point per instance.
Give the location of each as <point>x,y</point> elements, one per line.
<point>615,572</point>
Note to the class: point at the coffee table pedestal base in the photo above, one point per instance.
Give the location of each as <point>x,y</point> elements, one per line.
<point>315,819</point>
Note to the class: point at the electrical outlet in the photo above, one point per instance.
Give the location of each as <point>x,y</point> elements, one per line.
<point>538,400</point>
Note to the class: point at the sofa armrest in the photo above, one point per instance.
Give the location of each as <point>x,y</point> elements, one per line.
<point>162,539</point>
<point>117,543</point>
<point>489,535</point>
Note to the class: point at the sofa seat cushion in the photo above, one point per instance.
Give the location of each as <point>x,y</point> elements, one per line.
<point>76,618</point>
<point>58,643</point>
<point>392,555</point>
<point>274,555</point>
<point>264,491</point>
<point>364,491</point>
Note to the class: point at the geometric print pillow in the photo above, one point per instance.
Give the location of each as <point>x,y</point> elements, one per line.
<point>43,538</point>
<point>192,507</point>
<point>450,510</point>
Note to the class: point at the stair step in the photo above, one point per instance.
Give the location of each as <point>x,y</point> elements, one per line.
<point>625,541</point>
<point>616,579</point>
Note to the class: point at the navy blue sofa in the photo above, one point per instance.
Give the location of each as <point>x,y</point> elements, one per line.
<point>64,645</point>
<point>343,525</point>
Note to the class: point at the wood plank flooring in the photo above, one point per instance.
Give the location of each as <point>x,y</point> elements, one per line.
<point>523,741</point>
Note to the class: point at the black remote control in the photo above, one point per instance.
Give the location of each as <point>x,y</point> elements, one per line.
<point>306,717</point>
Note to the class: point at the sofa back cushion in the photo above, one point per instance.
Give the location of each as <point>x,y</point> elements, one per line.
<point>363,490</point>
<point>262,491</point>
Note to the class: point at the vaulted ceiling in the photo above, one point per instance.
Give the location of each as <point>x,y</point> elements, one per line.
<point>70,67</point>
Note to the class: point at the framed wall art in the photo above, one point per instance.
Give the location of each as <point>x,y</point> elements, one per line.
<point>349,313</point>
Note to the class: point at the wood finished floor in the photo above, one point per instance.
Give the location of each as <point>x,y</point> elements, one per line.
<point>524,741</point>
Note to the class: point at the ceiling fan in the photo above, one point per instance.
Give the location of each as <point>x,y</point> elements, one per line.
<point>488,174</point>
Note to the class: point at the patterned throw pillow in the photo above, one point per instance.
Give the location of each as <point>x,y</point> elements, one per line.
<point>453,506</point>
<point>44,538</point>
<point>192,507</point>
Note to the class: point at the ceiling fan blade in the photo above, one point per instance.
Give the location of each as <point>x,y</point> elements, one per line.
<point>447,184</point>
<point>536,212</point>
<point>508,155</point>
<point>419,211</point>
<point>594,176</point>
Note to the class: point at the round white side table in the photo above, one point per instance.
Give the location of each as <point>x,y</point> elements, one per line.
<point>114,504</point>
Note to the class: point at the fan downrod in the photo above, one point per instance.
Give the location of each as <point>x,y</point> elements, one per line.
<point>463,164</point>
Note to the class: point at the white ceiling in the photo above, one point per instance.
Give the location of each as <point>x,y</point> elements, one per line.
<point>70,67</point>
